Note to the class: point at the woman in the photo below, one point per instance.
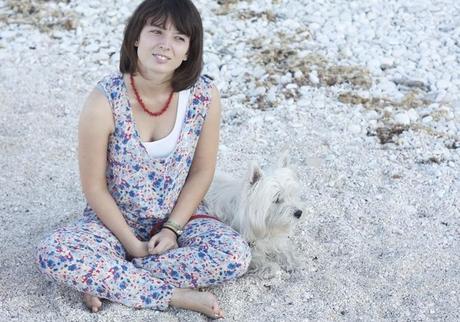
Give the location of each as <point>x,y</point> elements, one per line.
<point>148,140</point>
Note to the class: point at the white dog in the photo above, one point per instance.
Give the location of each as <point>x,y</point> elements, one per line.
<point>263,208</point>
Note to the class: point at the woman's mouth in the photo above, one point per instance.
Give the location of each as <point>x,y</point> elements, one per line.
<point>161,58</point>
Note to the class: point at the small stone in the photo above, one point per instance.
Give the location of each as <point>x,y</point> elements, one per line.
<point>433,106</point>
<point>298,75</point>
<point>388,109</point>
<point>427,119</point>
<point>374,66</point>
<point>443,83</point>
<point>93,48</point>
<point>314,26</point>
<point>296,125</point>
<point>372,124</point>
<point>441,95</point>
<point>387,63</point>
<point>388,86</point>
<point>402,118</point>
<point>372,115</point>
<point>271,95</point>
<point>354,128</point>
<point>413,115</point>
<point>313,76</point>
<point>258,91</point>
<point>346,52</point>
<point>287,78</point>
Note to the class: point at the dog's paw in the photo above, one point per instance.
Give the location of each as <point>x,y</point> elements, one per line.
<point>290,264</point>
<point>287,261</point>
<point>266,271</point>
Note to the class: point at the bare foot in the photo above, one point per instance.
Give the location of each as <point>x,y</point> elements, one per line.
<point>92,302</point>
<point>203,302</point>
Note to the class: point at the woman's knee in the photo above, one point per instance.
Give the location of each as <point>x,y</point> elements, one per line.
<point>242,255</point>
<point>47,255</point>
<point>232,252</point>
<point>238,255</point>
<point>56,251</point>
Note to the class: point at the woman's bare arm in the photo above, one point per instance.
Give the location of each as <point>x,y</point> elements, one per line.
<point>96,125</point>
<point>203,165</point>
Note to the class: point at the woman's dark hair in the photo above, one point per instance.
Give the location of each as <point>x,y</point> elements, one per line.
<point>186,18</point>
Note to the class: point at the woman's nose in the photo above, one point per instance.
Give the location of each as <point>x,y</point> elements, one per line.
<point>165,42</point>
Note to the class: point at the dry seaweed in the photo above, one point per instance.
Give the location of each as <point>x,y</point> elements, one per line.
<point>45,15</point>
<point>386,134</point>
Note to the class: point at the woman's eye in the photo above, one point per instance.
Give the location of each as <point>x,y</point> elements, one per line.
<point>180,38</point>
<point>155,31</point>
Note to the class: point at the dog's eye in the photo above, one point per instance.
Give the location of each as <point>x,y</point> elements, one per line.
<point>278,199</point>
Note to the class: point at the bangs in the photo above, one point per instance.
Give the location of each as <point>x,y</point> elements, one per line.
<point>179,17</point>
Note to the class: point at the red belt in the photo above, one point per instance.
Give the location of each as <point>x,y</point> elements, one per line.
<point>197,216</point>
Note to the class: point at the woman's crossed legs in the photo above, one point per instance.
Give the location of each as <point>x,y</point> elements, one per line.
<point>89,258</point>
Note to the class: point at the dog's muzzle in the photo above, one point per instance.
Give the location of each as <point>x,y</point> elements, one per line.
<point>298,213</point>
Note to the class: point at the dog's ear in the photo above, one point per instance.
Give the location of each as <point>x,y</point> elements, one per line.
<point>255,173</point>
<point>283,160</point>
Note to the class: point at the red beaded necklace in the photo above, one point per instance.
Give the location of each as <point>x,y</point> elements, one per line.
<point>141,103</point>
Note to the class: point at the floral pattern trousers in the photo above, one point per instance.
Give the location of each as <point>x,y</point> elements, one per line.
<point>88,257</point>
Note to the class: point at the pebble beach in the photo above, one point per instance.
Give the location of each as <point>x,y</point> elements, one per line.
<point>365,94</point>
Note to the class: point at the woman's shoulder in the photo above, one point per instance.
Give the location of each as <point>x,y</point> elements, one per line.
<point>101,97</point>
<point>207,92</point>
<point>206,80</point>
<point>111,79</point>
<point>111,85</point>
<point>97,111</point>
<point>206,85</point>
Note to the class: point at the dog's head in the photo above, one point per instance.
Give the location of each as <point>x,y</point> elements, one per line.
<point>273,198</point>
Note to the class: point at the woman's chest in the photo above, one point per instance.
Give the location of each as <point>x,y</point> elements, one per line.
<point>153,128</point>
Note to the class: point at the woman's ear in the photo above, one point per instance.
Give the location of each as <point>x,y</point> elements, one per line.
<point>136,43</point>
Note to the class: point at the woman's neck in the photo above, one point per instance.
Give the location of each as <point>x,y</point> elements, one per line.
<point>154,84</point>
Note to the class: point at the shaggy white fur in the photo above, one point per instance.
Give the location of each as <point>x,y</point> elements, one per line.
<point>263,208</point>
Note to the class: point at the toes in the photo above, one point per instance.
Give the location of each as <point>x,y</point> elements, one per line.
<point>92,302</point>
<point>96,304</point>
<point>218,313</point>
<point>95,308</point>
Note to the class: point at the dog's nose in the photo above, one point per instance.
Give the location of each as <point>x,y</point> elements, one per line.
<point>298,213</point>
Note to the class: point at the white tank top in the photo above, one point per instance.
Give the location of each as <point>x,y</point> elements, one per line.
<point>162,147</point>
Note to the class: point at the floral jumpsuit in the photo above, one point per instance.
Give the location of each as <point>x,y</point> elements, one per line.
<point>87,256</point>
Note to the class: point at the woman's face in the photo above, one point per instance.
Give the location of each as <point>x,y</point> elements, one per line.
<point>161,49</point>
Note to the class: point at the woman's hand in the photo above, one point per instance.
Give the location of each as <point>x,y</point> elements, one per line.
<point>137,248</point>
<point>162,242</point>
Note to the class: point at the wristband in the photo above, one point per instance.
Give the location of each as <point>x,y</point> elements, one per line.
<point>175,232</point>
<point>173,226</point>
